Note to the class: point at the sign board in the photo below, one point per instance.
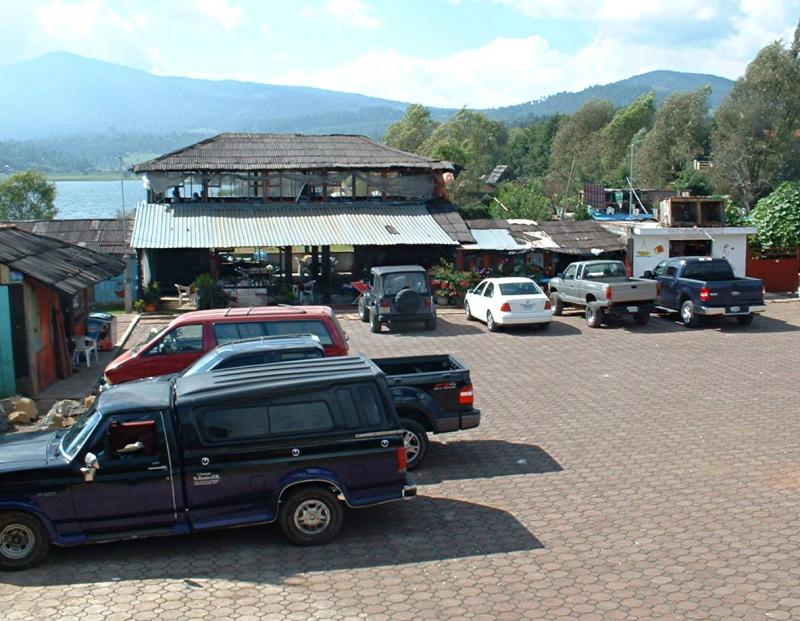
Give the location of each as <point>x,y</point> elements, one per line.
<point>618,197</point>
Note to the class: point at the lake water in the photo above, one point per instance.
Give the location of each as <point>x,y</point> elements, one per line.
<point>96,199</point>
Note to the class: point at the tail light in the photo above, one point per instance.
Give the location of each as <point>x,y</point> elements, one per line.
<point>427,301</point>
<point>402,459</point>
<point>466,395</point>
<point>547,305</point>
<point>609,293</point>
<point>386,304</point>
<point>705,294</point>
<point>506,307</point>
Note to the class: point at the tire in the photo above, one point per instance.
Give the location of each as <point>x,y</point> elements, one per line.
<point>557,304</point>
<point>745,320</point>
<point>363,311</point>
<point>467,314</point>
<point>24,542</point>
<point>688,316</point>
<point>493,327</point>
<point>416,441</point>
<point>430,324</point>
<point>407,301</point>
<point>374,324</point>
<point>641,318</point>
<point>311,516</point>
<point>594,314</point>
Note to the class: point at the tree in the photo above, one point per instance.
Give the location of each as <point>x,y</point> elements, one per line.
<point>410,132</point>
<point>680,134</point>
<point>27,195</point>
<point>756,144</point>
<point>529,147</point>
<point>616,137</point>
<point>778,217</point>
<point>528,201</point>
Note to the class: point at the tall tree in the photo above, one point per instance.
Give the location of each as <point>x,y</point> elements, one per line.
<point>756,143</point>
<point>617,136</point>
<point>777,217</point>
<point>528,201</point>
<point>27,195</point>
<point>680,134</point>
<point>412,130</point>
<point>529,147</point>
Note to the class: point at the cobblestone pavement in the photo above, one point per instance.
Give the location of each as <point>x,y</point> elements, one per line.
<point>618,473</point>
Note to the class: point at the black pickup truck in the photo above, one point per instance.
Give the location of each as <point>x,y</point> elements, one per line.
<point>432,394</point>
<point>292,443</point>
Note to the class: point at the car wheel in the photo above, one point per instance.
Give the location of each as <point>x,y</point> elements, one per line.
<point>467,314</point>
<point>556,303</point>
<point>594,314</point>
<point>416,441</point>
<point>641,318</point>
<point>374,324</point>
<point>745,320</point>
<point>430,324</point>
<point>311,516</point>
<point>23,541</point>
<point>490,323</point>
<point>363,311</point>
<point>688,316</point>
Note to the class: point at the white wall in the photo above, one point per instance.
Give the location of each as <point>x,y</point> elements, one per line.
<point>650,250</point>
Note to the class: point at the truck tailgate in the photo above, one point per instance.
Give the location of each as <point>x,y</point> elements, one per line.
<point>739,292</point>
<point>633,291</point>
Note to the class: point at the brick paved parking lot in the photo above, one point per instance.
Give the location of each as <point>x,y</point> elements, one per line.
<point>620,473</point>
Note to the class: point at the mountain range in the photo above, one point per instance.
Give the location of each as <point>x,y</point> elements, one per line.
<point>59,99</point>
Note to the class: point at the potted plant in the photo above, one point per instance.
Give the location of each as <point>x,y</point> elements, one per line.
<point>151,297</point>
<point>138,306</point>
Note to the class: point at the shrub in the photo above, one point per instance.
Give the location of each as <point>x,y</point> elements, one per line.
<point>210,293</point>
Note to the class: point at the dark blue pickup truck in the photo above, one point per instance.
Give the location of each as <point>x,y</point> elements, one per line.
<point>698,287</point>
<point>292,442</point>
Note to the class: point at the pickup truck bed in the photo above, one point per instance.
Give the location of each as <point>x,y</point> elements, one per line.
<point>432,394</point>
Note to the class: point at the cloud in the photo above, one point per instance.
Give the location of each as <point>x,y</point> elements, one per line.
<point>350,12</point>
<point>227,15</point>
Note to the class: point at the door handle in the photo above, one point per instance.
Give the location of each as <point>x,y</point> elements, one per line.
<point>157,468</point>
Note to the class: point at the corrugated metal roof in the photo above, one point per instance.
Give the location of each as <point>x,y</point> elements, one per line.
<point>494,239</point>
<point>243,152</point>
<point>224,226</point>
<point>106,235</point>
<point>65,267</point>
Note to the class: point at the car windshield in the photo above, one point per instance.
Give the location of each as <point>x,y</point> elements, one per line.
<point>394,283</point>
<point>598,271</point>
<point>520,288</point>
<point>77,434</point>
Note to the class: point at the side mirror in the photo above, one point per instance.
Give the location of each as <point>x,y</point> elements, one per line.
<point>648,274</point>
<point>92,466</point>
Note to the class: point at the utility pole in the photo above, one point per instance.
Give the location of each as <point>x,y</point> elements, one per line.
<point>122,188</point>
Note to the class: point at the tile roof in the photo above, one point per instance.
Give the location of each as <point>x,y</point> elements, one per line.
<point>499,173</point>
<point>200,225</point>
<point>65,267</point>
<point>106,235</point>
<point>246,152</point>
<point>448,217</point>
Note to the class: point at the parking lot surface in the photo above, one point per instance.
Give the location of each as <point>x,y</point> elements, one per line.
<point>619,473</point>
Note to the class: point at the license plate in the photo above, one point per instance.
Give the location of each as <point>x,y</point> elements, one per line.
<point>527,307</point>
<point>735,309</point>
<point>633,309</point>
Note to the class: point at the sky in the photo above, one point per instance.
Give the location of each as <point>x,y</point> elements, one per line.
<point>450,53</point>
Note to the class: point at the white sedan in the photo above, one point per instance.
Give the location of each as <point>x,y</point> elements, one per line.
<point>508,301</point>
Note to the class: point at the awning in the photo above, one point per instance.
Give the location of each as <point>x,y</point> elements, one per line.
<point>202,225</point>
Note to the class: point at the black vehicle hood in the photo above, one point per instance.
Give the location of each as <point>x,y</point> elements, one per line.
<point>23,451</point>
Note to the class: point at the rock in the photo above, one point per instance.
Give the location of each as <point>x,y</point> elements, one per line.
<point>59,415</point>
<point>19,417</point>
<point>68,422</point>
<point>88,402</point>
<point>23,404</point>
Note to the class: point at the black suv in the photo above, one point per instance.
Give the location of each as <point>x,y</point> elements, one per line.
<point>398,294</point>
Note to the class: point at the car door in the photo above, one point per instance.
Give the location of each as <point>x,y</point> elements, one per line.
<point>133,489</point>
<point>488,299</point>
<point>658,272</point>
<point>668,285</point>
<point>475,299</point>
<point>174,352</point>
<point>567,287</point>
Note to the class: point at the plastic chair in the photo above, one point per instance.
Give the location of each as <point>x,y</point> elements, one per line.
<point>185,294</point>
<point>84,345</point>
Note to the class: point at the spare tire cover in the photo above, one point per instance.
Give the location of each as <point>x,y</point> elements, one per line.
<point>407,301</point>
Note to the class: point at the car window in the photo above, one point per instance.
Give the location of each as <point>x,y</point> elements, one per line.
<point>182,339</point>
<point>479,289</point>
<point>708,270</point>
<point>269,357</point>
<point>672,270</point>
<point>304,417</point>
<point>598,271</point>
<point>659,269</point>
<point>394,283</point>
<point>569,274</point>
<point>519,288</point>
<point>227,332</point>
<point>129,439</point>
<point>489,291</point>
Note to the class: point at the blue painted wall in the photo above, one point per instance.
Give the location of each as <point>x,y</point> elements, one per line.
<point>7,383</point>
<point>112,291</point>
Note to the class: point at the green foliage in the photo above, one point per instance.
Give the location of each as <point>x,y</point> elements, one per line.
<point>27,196</point>
<point>138,306</point>
<point>695,182</point>
<point>755,141</point>
<point>476,210</point>
<point>152,295</point>
<point>529,147</point>
<point>616,137</point>
<point>210,293</point>
<point>680,134</point>
<point>735,215</point>
<point>778,217</point>
<point>582,212</point>
<point>412,130</point>
<point>525,201</point>
<point>448,282</point>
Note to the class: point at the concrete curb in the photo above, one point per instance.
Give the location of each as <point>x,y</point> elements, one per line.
<point>128,333</point>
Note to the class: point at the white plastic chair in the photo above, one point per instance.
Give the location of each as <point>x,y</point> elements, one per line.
<point>307,294</point>
<point>84,345</point>
<point>185,294</point>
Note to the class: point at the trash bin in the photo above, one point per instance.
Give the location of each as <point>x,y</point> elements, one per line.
<point>102,327</point>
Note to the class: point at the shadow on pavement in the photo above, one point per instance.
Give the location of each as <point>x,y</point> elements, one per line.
<point>482,459</point>
<point>422,530</point>
<point>443,328</point>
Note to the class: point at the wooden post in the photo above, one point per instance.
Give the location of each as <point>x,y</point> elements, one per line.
<point>287,266</point>
<point>314,262</point>
<point>265,184</point>
<point>325,287</point>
